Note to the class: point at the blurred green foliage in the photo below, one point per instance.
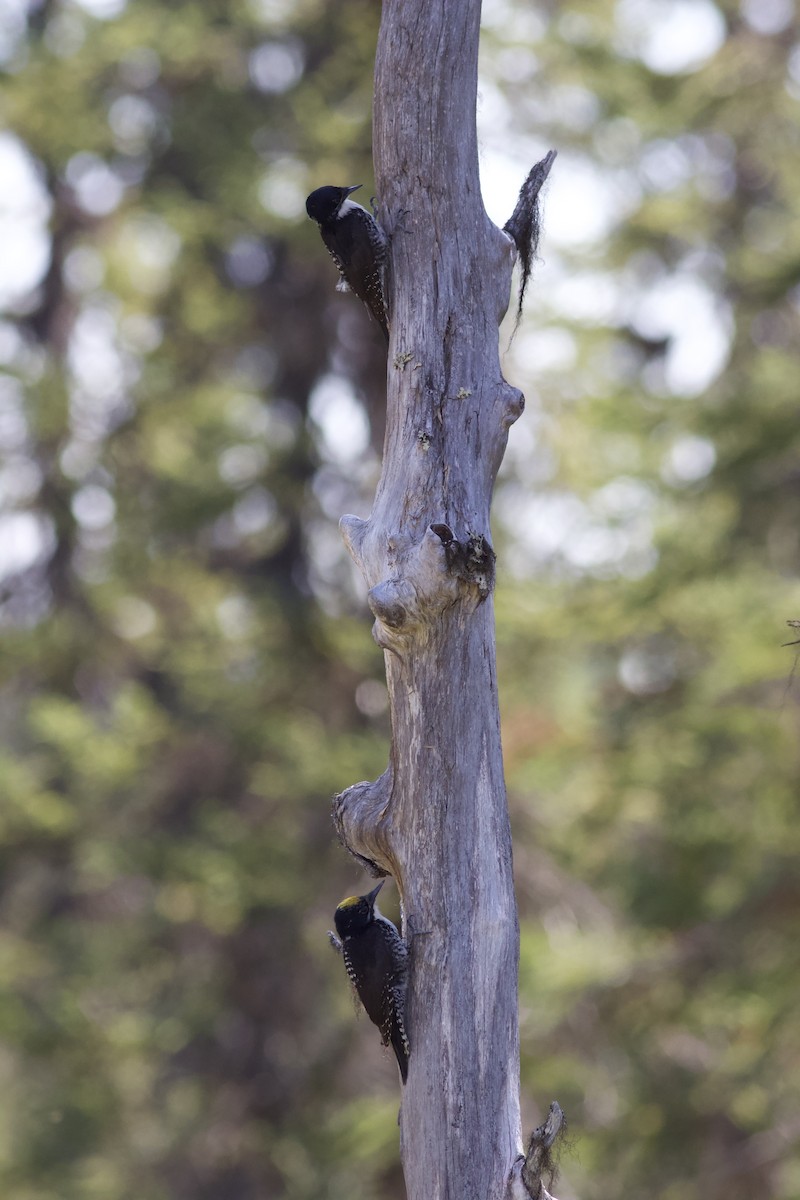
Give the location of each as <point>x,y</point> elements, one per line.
<point>187,674</point>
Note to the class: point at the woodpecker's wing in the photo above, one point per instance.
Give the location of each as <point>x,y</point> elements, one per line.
<point>357,245</point>
<point>401,1049</point>
<point>378,954</point>
<point>376,961</point>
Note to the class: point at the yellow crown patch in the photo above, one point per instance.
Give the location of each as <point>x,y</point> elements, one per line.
<point>349,901</point>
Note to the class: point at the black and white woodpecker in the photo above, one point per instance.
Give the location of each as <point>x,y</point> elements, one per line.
<point>376,959</point>
<point>356,243</point>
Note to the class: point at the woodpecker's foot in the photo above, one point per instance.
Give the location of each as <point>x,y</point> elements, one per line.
<point>334,941</point>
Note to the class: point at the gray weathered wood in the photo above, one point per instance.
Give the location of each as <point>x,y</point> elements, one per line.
<point>437,819</point>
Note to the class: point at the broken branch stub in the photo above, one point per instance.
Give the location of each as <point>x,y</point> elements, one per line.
<point>541,1161</point>
<point>361,816</point>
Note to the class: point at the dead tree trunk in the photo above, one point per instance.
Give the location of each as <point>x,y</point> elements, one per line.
<point>437,819</point>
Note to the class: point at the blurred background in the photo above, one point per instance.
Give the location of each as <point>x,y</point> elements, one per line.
<point>187,673</point>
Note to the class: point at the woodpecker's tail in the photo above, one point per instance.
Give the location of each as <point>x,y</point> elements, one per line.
<point>400,1047</point>
<point>376,306</point>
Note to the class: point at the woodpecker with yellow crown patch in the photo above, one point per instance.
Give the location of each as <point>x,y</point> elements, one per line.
<point>376,959</point>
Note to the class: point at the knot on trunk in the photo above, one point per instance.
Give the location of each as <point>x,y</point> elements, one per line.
<point>513,405</point>
<point>431,576</point>
<point>362,821</point>
<point>471,561</point>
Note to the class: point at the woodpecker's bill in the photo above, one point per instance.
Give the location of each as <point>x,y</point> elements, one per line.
<point>356,243</point>
<point>376,960</point>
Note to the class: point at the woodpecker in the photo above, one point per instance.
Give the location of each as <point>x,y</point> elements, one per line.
<point>376,959</point>
<point>355,242</point>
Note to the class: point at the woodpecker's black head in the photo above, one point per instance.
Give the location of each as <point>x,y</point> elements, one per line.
<point>356,912</point>
<point>323,205</point>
